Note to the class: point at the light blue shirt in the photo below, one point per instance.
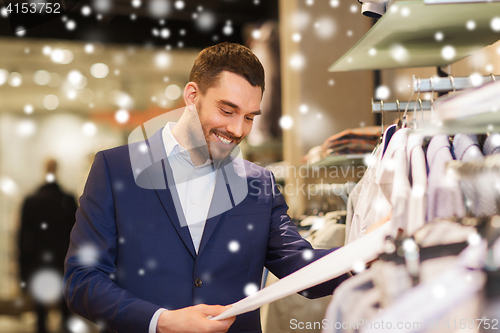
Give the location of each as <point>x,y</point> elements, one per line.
<point>195,187</point>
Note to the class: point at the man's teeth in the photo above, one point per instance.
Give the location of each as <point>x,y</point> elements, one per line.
<point>224,140</point>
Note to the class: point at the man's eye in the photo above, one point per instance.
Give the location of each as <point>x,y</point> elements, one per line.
<point>225,112</point>
<point>249,118</point>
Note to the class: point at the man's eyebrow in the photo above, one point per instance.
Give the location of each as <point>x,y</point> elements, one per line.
<point>236,107</point>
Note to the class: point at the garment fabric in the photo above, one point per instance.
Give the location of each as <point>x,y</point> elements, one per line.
<point>444,197</point>
<point>418,172</point>
<point>492,144</point>
<point>392,177</point>
<point>146,260</point>
<point>372,204</point>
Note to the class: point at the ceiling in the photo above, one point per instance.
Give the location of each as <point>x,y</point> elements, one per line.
<point>190,23</point>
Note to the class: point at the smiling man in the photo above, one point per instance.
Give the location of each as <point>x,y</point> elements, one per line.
<point>178,227</point>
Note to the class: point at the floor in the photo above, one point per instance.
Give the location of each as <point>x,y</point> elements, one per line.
<point>26,323</point>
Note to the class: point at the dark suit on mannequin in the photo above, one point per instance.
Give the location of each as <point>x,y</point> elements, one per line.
<point>46,222</point>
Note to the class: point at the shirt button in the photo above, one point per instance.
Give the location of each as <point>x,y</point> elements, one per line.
<point>192,201</point>
<point>198,282</point>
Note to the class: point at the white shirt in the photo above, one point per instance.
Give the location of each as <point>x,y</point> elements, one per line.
<point>195,187</point>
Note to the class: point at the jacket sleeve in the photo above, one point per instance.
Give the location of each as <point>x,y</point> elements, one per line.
<point>88,286</point>
<point>285,253</point>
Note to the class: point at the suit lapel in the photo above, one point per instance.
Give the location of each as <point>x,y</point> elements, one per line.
<point>162,178</point>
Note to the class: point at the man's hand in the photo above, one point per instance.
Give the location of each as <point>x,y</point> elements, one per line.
<point>194,319</point>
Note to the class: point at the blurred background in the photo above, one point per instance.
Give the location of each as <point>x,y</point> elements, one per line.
<point>84,80</point>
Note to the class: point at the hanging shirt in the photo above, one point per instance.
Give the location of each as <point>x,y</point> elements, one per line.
<point>444,198</point>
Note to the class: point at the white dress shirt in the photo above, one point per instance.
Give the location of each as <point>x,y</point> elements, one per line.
<point>195,187</point>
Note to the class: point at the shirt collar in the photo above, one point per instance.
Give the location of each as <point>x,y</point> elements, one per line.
<point>173,147</point>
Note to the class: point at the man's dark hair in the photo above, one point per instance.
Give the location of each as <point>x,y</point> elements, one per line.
<point>231,57</point>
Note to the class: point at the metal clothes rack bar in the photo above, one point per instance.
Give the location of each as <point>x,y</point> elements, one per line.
<point>378,107</point>
<point>450,83</point>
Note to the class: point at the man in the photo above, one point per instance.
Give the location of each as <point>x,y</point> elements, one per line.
<point>171,223</point>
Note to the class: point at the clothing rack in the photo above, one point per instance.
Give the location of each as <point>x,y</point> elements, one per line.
<point>450,83</point>
<point>378,107</point>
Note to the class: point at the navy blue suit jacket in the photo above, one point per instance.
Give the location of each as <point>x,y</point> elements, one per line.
<point>129,254</point>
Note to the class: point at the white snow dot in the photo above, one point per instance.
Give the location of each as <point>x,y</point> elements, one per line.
<point>372,52</point>
<point>250,289</point>
<point>122,116</point>
<point>309,2</point>
<point>448,52</point>
<point>227,30</point>
<point>4,12</point>
<point>476,79</point>
<point>155,32</point>
<point>399,53</point>
<point>325,27</point>
<point>286,122</point>
<point>382,92</point>
<point>50,177</point>
<point>319,116</point>
<point>250,226</point>
<point>28,109</point>
<point>297,61</point>
<point>495,24</point>
<point>71,25</point>
<point>182,32</point>
<point>334,3</point>
<point>179,5</point>
<point>439,36</point>
<point>121,240</point>
<point>439,291</point>
<point>349,33</point>
<point>88,254</point>
<point>474,239</point>
<point>165,33</point>
<point>353,8</point>
<point>234,246</point>
<point>304,108</point>
<point>89,129</point>
<point>46,286</point>
<point>136,3</point>
<point>296,37</point>
<point>89,48</point>
<point>43,225</point>
<point>133,17</point>
<point>256,34</point>
<point>489,68</point>
<point>22,284</point>
<point>358,266</point>
<point>307,254</point>
<point>405,11</point>
<point>331,82</point>
<point>141,271</point>
<point>470,25</point>
<point>20,31</point>
<point>86,10</point>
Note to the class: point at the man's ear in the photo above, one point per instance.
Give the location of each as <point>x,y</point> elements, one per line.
<point>191,91</point>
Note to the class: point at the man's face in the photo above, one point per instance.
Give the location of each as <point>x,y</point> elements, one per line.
<point>226,113</point>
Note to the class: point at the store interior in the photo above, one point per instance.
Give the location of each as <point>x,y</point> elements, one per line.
<point>82,82</point>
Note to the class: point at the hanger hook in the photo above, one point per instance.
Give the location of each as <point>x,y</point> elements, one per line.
<point>452,81</point>
<point>415,109</point>
<point>493,77</point>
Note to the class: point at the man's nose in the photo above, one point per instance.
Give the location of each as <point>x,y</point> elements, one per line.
<point>235,127</point>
